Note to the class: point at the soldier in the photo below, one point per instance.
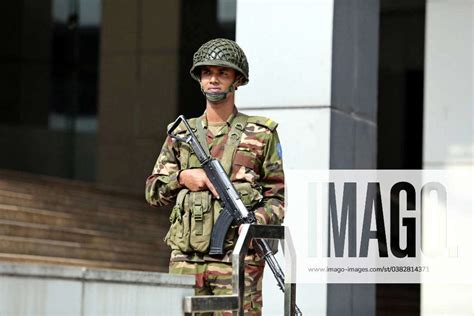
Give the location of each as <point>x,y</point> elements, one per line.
<point>249,150</point>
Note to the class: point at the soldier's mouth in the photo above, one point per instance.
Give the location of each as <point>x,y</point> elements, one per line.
<point>214,89</point>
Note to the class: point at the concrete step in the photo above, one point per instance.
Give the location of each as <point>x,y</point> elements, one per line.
<point>20,258</point>
<point>92,214</point>
<point>53,248</point>
<point>88,238</point>
<point>71,221</point>
<point>140,212</point>
<point>37,184</point>
<point>49,220</point>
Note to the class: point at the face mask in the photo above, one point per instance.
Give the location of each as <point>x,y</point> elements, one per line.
<point>218,96</point>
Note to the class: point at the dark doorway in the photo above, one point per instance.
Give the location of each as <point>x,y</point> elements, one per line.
<point>400,116</point>
<point>215,18</point>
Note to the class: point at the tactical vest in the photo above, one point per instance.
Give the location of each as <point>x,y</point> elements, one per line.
<point>195,213</point>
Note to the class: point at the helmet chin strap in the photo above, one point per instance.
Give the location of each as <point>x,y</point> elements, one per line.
<point>218,97</point>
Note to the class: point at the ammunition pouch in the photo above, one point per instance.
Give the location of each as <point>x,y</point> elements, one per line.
<point>192,219</point>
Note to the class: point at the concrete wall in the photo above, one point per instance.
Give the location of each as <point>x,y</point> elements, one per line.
<point>290,81</point>
<point>354,120</point>
<point>313,69</point>
<point>448,120</point>
<point>55,290</point>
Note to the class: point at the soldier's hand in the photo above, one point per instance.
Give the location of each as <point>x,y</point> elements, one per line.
<point>196,180</point>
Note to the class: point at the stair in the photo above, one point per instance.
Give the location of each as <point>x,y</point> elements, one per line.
<point>50,220</point>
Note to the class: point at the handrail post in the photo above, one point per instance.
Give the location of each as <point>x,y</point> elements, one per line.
<point>238,265</point>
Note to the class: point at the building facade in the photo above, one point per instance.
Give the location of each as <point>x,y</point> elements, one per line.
<point>90,86</point>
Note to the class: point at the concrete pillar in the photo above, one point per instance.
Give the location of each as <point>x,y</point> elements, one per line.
<point>448,120</point>
<point>138,87</point>
<point>313,69</point>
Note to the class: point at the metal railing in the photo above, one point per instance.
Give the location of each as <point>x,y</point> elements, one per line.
<point>234,302</point>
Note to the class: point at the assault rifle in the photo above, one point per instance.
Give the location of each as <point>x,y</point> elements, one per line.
<point>233,209</point>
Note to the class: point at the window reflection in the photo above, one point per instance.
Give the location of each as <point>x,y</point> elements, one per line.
<point>48,117</point>
<point>75,63</point>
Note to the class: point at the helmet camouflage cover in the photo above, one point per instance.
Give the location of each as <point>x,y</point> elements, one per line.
<point>220,52</point>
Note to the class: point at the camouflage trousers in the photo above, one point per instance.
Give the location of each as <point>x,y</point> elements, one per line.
<point>215,278</point>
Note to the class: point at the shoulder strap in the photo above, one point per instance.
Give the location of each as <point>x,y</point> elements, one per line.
<point>233,141</point>
<point>263,121</point>
<point>201,135</point>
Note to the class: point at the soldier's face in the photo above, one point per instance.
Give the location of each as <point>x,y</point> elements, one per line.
<point>216,79</point>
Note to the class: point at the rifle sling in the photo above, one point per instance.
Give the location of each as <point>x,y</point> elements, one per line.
<point>201,135</point>
<point>233,140</point>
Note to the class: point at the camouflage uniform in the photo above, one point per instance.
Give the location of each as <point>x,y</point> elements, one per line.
<point>257,173</point>
<point>257,162</point>
<point>215,278</point>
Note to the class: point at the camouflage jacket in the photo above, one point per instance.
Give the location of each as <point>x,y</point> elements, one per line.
<point>257,160</point>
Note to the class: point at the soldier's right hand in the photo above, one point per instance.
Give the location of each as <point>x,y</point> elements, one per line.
<point>196,180</point>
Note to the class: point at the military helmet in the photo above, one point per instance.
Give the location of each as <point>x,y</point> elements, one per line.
<point>220,52</point>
